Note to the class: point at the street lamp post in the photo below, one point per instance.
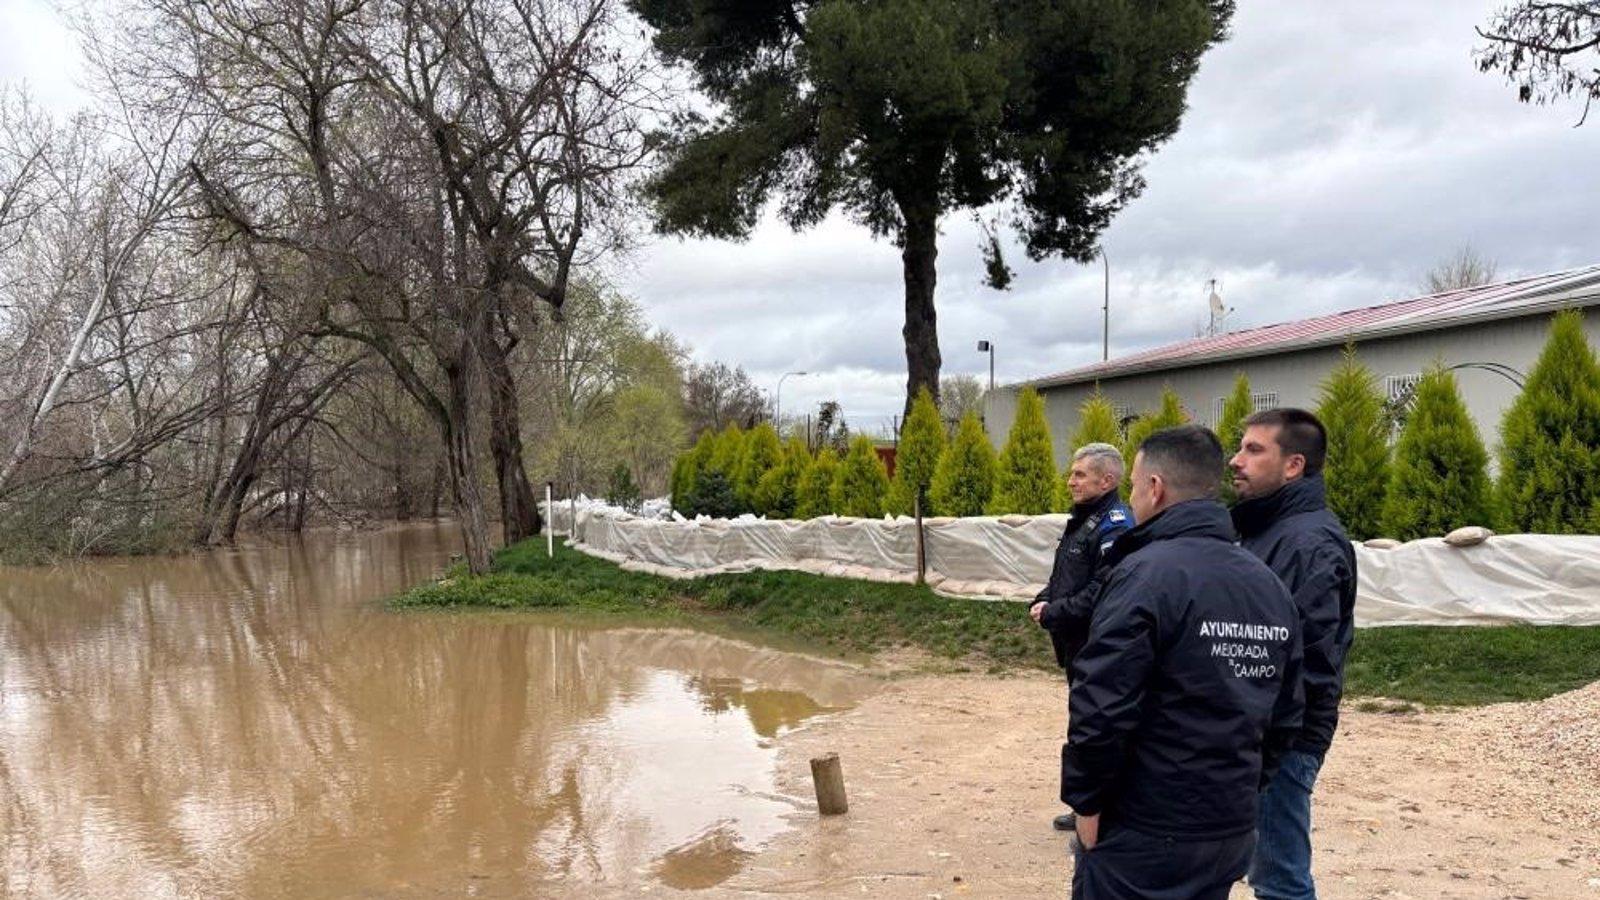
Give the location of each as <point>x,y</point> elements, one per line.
<point>1105,312</point>
<point>988,347</point>
<point>777,399</point>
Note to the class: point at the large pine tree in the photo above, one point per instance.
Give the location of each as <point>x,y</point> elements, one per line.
<point>1025,479</point>
<point>1357,469</point>
<point>963,481</point>
<point>1550,439</point>
<point>1439,480</point>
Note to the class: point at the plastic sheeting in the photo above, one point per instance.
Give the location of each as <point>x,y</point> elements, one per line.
<point>1532,579</point>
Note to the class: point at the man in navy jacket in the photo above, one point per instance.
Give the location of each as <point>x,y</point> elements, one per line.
<point>1185,694</point>
<point>1282,517</point>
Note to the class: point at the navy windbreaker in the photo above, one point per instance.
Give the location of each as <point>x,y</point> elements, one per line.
<point>1069,596</point>
<point>1302,542</point>
<point>1189,687</point>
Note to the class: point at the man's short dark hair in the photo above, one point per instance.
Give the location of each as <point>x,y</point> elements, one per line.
<point>1188,458</point>
<point>1298,432</point>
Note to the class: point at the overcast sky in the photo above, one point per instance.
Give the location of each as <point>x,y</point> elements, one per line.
<point>1330,155</point>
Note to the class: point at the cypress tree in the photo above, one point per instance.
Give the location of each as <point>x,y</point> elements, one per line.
<point>1170,414</point>
<point>1025,480</point>
<point>921,441</point>
<point>1097,424</point>
<point>1439,479</point>
<point>1550,438</point>
<point>686,474</point>
<point>1230,428</point>
<point>760,454</point>
<point>861,482</point>
<point>814,495</point>
<point>777,492</point>
<point>963,481</point>
<point>1357,469</point>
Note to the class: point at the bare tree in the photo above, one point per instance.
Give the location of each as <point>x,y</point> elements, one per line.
<point>1548,50</point>
<point>1466,269</point>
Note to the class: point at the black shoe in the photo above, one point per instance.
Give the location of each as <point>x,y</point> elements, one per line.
<point>1067,821</point>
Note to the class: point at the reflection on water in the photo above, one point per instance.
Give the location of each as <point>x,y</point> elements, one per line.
<point>251,722</point>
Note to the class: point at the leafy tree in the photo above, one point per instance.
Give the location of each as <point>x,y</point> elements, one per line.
<point>922,440</point>
<point>762,452</point>
<point>623,491</point>
<point>1230,428</point>
<point>777,494</point>
<point>1025,480</point>
<point>958,395</point>
<point>1548,50</point>
<point>963,481</point>
<point>903,110</point>
<point>1550,438</point>
<point>861,482</point>
<point>1097,424</point>
<point>715,396</point>
<point>1357,470</point>
<point>1170,414</point>
<point>814,496</point>
<point>1439,479</point>
<point>686,475</point>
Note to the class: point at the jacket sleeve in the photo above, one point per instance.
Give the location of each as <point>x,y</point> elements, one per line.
<point>1287,712</point>
<point>1110,677</point>
<point>1058,575</point>
<point>1318,590</point>
<point>1066,606</point>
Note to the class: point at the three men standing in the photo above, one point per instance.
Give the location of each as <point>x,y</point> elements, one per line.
<point>1282,518</point>
<point>1186,693</point>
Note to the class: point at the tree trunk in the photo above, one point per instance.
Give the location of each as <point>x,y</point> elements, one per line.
<point>462,463</point>
<point>919,251</point>
<point>519,512</point>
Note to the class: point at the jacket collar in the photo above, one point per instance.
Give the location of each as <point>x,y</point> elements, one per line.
<point>1191,518</point>
<point>1082,511</point>
<point>1307,494</point>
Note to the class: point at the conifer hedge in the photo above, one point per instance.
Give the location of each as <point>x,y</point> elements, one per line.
<point>1357,468</point>
<point>1439,479</point>
<point>922,441</point>
<point>963,481</point>
<point>1550,439</point>
<point>1025,478</point>
<point>861,482</point>
<point>814,494</point>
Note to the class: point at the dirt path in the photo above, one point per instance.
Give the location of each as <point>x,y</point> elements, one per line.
<point>952,782</point>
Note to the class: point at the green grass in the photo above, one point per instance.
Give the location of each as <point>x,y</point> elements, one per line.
<point>841,616</point>
<point>1468,666</point>
<point>1428,666</point>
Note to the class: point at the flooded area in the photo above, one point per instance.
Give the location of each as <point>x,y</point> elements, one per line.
<point>252,722</point>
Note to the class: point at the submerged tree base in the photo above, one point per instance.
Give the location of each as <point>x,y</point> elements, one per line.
<point>1433,666</point>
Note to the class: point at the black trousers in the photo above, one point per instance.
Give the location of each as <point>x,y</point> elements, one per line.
<point>1128,864</point>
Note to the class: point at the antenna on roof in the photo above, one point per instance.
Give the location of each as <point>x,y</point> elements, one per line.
<point>1219,313</point>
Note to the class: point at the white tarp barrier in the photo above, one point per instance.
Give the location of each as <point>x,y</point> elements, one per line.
<point>1532,579</point>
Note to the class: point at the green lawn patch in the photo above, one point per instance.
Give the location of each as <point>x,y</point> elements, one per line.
<point>1430,666</point>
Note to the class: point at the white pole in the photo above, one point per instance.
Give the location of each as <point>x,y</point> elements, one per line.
<point>549,522</point>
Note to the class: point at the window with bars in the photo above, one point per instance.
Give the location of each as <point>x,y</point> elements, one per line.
<point>1397,386</point>
<point>1258,402</point>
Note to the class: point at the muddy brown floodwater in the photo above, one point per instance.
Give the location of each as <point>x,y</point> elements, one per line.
<point>253,723</point>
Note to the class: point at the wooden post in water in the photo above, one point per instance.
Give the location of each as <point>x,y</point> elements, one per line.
<point>922,550</point>
<point>828,776</point>
<point>549,519</point>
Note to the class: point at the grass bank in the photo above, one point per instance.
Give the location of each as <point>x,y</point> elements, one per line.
<point>1433,666</point>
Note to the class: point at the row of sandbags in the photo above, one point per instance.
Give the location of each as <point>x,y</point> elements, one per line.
<point>1470,577</point>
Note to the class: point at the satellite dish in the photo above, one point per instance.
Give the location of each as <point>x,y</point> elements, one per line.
<point>1216,305</point>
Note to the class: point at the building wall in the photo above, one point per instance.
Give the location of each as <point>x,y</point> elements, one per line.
<point>1295,377</point>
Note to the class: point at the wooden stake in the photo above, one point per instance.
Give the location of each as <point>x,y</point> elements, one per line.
<point>829,778</point>
<point>922,552</point>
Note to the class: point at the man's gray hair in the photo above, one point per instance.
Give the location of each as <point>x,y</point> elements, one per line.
<point>1106,458</point>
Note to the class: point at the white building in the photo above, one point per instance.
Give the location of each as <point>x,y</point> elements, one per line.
<point>1490,336</point>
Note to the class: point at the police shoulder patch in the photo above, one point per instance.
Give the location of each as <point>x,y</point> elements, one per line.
<point>1117,516</point>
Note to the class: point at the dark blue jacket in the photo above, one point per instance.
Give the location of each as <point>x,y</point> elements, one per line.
<point>1302,542</point>
<point>1189,689</point>
<point>1069,596</point>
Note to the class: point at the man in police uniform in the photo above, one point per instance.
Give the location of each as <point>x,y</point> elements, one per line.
<point>1283,518</point>
<point>1185,694</point>
<point>1098,517</point>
